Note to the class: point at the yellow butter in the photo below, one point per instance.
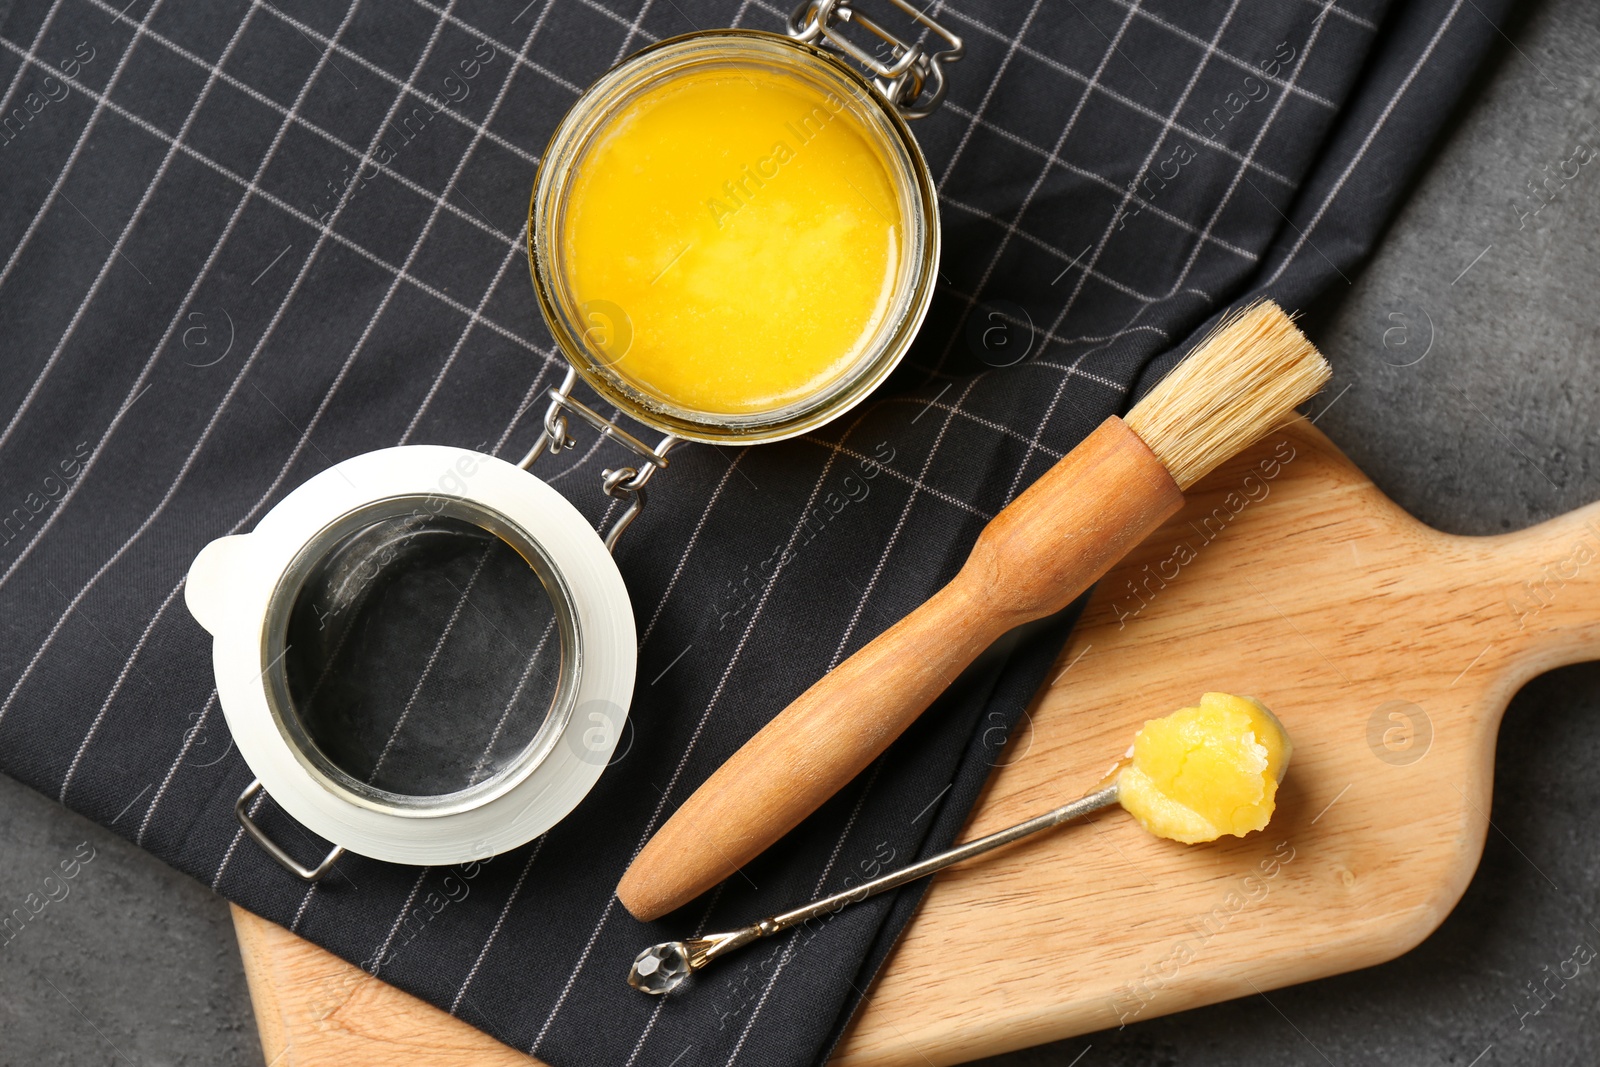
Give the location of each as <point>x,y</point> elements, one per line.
<point>746,226</point>
<point>1206,771</point>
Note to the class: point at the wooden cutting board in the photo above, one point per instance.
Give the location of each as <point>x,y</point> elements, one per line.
<point>1388,649</point>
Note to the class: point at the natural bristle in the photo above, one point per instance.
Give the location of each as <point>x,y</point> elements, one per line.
<point>1237,384</point>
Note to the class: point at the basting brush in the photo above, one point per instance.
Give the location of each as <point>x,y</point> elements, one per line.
<point>1045,548</point>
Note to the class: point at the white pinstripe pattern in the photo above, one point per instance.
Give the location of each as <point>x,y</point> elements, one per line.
<point>1049,412</point>
<point>975,120</point>
<point>512,253</point>
<point>694,738</point>
<point>33,51</point>
<point>411,898</point>
<point>705,513</point>
<point>1081,172</point>
<point>77,149</point>
<point>299,913</point>
<point>116,687</point>
<point>494,931</point>
<point>267,197</point>
<point>172,771</point>
<point>649,1027</point>
<point>1015,44</point>
<point>1055,338</point>
<point>133,394</point>
<point>205,715</point>
<point>1245,65</point>
<point>366,64</point>
<point>1104,90</point>
<point>1383,118</point>
<point>860,606</point>
<point>462,991</point>
<point>1348,16</point>
<point>233,846</point>
<point>1255,146</point>
<point>305,436</point>
<point>917,484</point>
<point>633,31</point>
<point>699,931</point>
<point>214,70</point>
<point>988,94</point>
<point>1093,339</point>
<point>420,241</point>
<point>1144,165</point>
<point>527,402</point>
<point>1066,131</point>
<point>987,424</point>
<point>127,230</point>
<point>1087,270</point>
<point>694,538</point>
<point>877,571</point>
<point>519,58</point>
<point>1194,253</point>
<point>1216,214</point>
<point>793,943</point>
<point>839,845</point>
<point>1073,370</point>
<point>1121,287</point>
<point>594,446</point>
<point>894,536</point>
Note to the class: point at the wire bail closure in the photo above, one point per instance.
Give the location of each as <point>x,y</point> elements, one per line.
<point>241,811</point>
<point>624,483</point>
<point>912,78</point>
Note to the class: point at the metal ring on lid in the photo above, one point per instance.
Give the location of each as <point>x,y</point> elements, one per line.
<point>243,590</point>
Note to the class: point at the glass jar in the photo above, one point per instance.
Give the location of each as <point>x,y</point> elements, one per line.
<point>755,293</point>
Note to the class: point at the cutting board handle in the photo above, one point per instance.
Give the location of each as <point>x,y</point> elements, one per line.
<point>1549,578</point>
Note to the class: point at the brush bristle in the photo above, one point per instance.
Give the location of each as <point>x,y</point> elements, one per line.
<point>1236,385</point>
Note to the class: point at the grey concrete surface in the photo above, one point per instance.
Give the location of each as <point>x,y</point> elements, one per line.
<point>129,962</point>
<point>1493,429</point>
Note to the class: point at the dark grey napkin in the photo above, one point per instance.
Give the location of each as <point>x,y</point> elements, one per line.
<point>192,326</point>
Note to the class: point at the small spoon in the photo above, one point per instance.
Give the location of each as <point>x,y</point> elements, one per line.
<point>662,968</point>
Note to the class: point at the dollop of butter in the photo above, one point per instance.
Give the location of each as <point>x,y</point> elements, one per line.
<point>1206,771</point>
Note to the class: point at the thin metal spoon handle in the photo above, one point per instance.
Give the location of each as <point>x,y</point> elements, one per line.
<point>662,968</point>
<point>1101,798</point>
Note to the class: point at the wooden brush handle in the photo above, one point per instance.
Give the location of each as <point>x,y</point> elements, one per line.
<point>1034,558</point>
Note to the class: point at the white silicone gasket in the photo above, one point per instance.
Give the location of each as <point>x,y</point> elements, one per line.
<point>233,579</point>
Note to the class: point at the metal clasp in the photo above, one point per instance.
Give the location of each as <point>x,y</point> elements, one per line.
<point>241,809</point>
<point>912,77</point>
<point>625,483</point>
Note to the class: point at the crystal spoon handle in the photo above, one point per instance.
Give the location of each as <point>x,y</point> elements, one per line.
<point>662,968</point>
